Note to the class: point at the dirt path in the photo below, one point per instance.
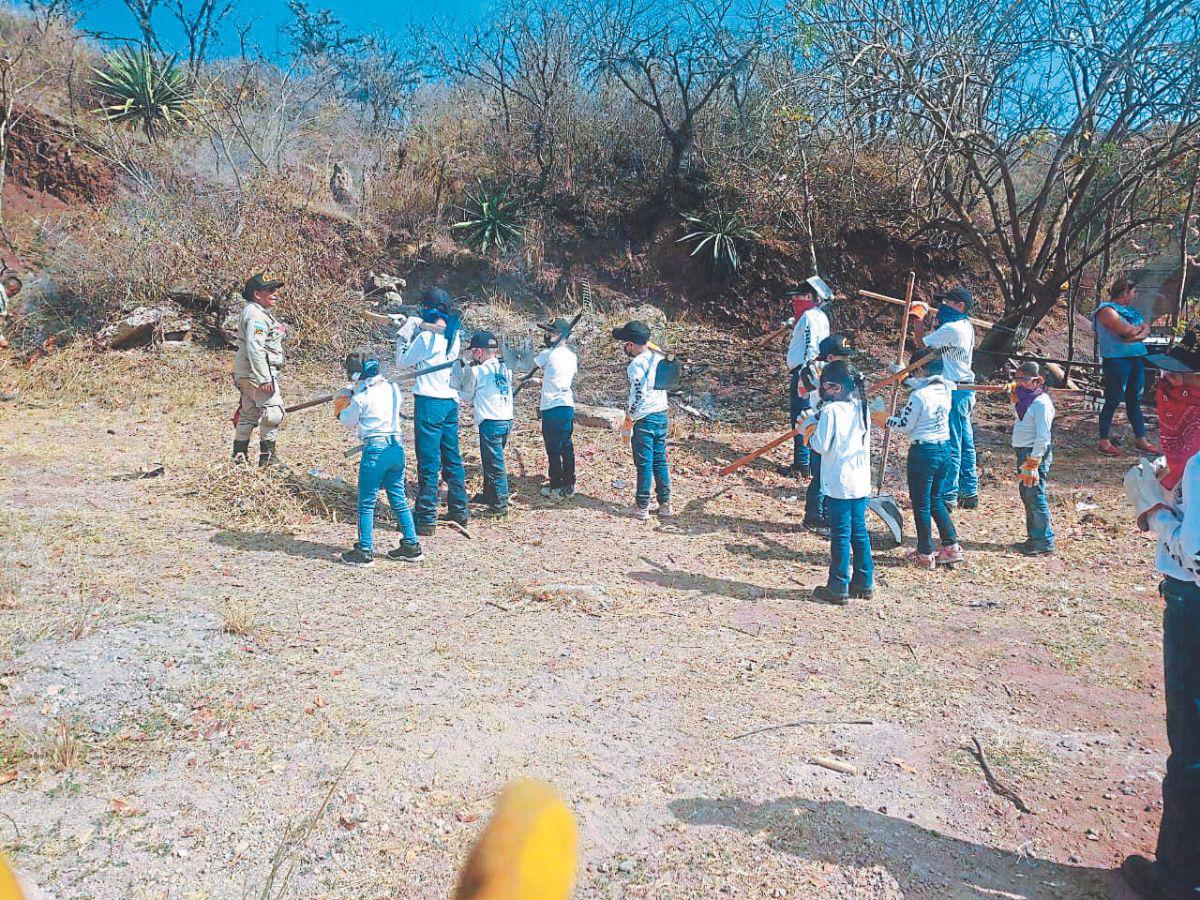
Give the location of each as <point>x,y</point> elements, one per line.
<point>148,752</point>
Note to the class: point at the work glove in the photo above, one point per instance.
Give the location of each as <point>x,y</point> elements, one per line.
<point>791,321</point>
<point>879,417</point>
<point>807,426</point>
<point>1145,491</point>
<point>1027,474</point>
<point>340,403</point>
<point>627,429</point>
<point>408,330</point>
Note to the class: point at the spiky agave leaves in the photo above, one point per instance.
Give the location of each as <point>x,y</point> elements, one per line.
<point>492,220</point>
<point>721,233</point>
<point>144,89</point>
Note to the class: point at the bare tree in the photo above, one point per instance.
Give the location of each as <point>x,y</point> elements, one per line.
<point>1020,126</point>
<point>524,56</point>
<point>201,27</point>
<point>143,16</point>
<point>674,58</point>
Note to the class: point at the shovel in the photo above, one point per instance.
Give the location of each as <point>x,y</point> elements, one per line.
<point>884,505</point>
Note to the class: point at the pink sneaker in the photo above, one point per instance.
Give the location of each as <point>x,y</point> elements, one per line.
<point>950,555</point>
<point>921,560</point>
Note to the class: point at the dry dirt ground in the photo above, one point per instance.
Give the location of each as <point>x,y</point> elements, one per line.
<point>185,681</point>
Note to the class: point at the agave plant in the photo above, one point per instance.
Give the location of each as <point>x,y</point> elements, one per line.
<point>721,232</point>
<point>144,89</point>
<point>491,219</point>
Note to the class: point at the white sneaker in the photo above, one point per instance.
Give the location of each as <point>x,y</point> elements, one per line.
<point>551,493</point>
<point>568,492</point>
<point>641,513</point>
<point>665,511</point>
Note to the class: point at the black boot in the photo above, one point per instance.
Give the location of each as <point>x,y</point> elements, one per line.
<point>266,453</point>
<point>241,452</point>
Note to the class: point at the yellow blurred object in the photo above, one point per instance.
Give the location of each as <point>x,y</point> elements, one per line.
<point>527,851</point>
<point>10,888</point>
<point>627,430</point>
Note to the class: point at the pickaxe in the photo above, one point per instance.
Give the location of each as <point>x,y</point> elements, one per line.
<point>554,343</point>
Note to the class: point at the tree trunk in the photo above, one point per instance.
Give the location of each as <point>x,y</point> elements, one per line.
<point>998,343</point>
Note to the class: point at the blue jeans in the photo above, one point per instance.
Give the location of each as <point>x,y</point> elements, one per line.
<point>1124,379</point>
<point>557,426</point>
<point>1037,506</point>
<point>1178,850</point>
<point>382,465</point>
<point>798,407</point>
<point>814,498</point>
<point>493,438</point>
<point>650,458</point>
<point>848,537</point>
<point>435,427</point>
<point>929,471</point>
<point>964,480</point>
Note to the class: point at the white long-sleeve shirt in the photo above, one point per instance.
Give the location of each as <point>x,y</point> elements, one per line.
<point>845,447</point>
<point>1034,429</point>
<point>1178,528</point>
<point>808,332</point>
<point>429,349</point>
<point>957,343</point>
<point>558,366</point>
<point>489,387</point>
<point>643,399</point>
<point>375,409</point>
<point>925,418</point>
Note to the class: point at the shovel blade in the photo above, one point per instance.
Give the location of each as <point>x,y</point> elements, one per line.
<point>517,353</point>
<point>884,506</point>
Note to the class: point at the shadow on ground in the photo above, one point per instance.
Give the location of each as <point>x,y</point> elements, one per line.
<point>925,863</point>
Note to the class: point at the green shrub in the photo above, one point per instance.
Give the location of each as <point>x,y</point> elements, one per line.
<point>143,89</point>
<point>722,232</point>
<point>492,220</point>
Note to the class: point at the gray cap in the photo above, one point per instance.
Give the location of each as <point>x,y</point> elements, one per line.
<point>1029,368</point>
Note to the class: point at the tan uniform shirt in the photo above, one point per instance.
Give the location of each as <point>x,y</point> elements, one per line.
<point>260,345</point>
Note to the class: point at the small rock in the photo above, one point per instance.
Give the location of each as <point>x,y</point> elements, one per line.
<point>626,866</point>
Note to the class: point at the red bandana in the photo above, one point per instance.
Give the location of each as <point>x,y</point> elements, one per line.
<point>801,304</point>
<point>1178,427</point>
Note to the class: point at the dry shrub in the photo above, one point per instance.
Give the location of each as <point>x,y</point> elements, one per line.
<point>153,243</point>
<point>275,499</point>
<point>63,750</point>
<point>239,617</point>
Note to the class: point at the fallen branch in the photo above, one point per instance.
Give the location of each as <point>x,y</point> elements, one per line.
<point>801,723</point>
<point>1000,790</point>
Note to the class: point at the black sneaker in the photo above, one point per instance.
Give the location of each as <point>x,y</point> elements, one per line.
<point>357,557</point>
<point>857,592</point>
<point>426,529</point>
<point>568,491</point>
<point>821,528</point>
<point>481,499</point>
<point>968,502</point>
<point>825,595</point>
<point>1031,550</point>
<point>408,551</point>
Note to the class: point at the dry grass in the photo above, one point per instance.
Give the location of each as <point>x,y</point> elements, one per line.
<point>276,499</point>
<point>64,750</point>
<point>239,617</point>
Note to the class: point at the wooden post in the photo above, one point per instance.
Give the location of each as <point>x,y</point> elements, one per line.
<point>887,432</point>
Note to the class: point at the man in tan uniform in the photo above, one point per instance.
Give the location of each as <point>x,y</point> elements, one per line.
<point>256,370</point>
<point>9,288</point>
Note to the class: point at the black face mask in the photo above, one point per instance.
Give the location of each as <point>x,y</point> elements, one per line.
<point>832,396</point>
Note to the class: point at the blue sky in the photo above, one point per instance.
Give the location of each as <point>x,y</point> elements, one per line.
<point>263,19</point>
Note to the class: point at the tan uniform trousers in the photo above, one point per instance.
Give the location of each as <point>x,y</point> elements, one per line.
<point>259,407</point>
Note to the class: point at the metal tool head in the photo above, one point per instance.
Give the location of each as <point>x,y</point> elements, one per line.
<point>823,291</point>
<point>884,506</point>
<point>517,353</point>
<point>668,374</point>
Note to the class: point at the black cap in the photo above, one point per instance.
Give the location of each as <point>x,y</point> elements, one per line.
<point>635,332</point>
<point>260,282</point>
<point>556,327</point>
<point>483,340</point>
<point>840,372</point>
<point>436,298</point>
<point>957,294</point>
<point>834,345</point>
<point>1183,357</point>
<point>1029,368</point>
